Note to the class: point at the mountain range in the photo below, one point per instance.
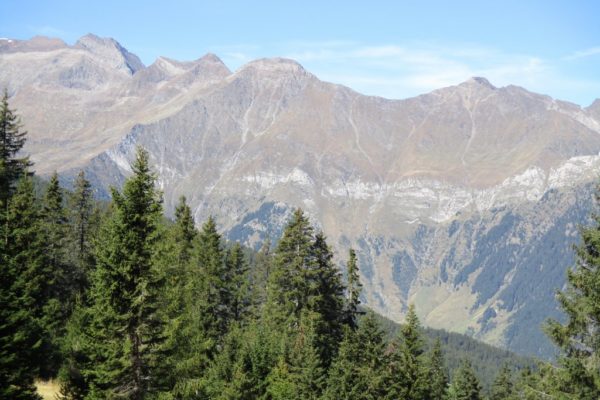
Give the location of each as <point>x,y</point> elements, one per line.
<point>464,201</point>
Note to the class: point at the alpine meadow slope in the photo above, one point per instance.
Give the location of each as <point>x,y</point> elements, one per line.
<point>464,201</point>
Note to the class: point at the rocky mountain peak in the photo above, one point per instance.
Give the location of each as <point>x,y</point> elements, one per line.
<point>477,83</point>
<point>111,51</point>
<point>275,65</point>
<point>36,43</point>
<point>594,109</point>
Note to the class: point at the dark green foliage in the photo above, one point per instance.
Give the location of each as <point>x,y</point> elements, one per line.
<point>61,276</point>
<point>579,337</point>
<point>122,329</point>
<point>292,266</point>
<point>214,305</point>
<point>437,373</point>
<point>503,386</point>
<point>12,139</point>
<point>358,371</point>
<point>240,302</point>
<point>353,290</point>
<point>407,375</point>
<point>465,385</point>
<point>20,333</point>
<point>83,221</point>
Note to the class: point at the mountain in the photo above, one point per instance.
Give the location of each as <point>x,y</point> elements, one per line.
<point>464,200</point>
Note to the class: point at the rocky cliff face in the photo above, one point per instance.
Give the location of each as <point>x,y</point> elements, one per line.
<point>464,201</point>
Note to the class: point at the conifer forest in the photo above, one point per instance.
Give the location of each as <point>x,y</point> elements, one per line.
<point>113,300</point>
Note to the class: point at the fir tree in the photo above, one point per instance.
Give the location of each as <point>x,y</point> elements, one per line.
<point>123,328</point>
<point>465,385</point>
<point>578,337</point>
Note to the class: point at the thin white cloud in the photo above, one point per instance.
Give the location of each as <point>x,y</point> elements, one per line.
<point>409,69</point>
<point>592,51</point>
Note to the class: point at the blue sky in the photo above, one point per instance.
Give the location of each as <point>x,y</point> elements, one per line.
<point>394,49</point>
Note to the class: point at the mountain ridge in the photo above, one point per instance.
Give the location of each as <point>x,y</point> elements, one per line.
<point>431,190</point>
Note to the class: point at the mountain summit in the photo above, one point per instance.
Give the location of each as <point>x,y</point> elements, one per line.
<point>464,201</point>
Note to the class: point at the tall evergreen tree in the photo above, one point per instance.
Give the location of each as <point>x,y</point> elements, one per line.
<point>326,300</point>
<point>407,375</point>
<point>357,372</point>
<point>353,290</point>
<point>214,305</point>
<point>465,385</point>
<point>83,221</point>
<point>437,374</point>
<point>503,386</point>
<point>578,337</point>
<point>12,139</point>
<point>123,327</point>
<point>60,279</point>
<point>288,290</point>
<point>20,288</point>
<point>240,298</point>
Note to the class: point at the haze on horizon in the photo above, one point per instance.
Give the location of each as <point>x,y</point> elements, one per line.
<point>385,49</point>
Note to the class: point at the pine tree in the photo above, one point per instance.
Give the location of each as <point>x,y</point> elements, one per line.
<point>437,374</point>
<point>20,334</point>
<point>185,232</point>
<point>353,290</point>
<point>465,385</point>
<point>578,337</point>
<point>407,375</point>
<point>503,386</point>
<point>123,329</point>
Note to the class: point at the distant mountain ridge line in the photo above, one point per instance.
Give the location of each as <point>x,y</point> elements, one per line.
<point>449,197</point>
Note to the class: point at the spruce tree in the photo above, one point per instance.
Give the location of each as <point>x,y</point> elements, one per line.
<point>503,386</point>
<point>288,288</point>
<point>61,276</point>
<point>578,337</point>
<point>326,299</point>
<point>238,270</point>
<point>123,329</point>
<point>465,385</point>
<point>20,334</point>
<point>437,373</point>
<point>12,139</point>
<point>357,372</point>
<point>406,374</point>
<point>83,221</point>
<point>215,300</point>
<point>353,290</point>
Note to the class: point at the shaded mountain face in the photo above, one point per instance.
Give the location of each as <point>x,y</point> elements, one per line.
<point>464,201</point>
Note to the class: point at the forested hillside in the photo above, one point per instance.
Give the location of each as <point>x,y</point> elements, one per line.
<point>121,303</point>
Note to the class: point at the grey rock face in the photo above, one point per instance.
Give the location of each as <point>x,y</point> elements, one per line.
<point>463,201</point>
